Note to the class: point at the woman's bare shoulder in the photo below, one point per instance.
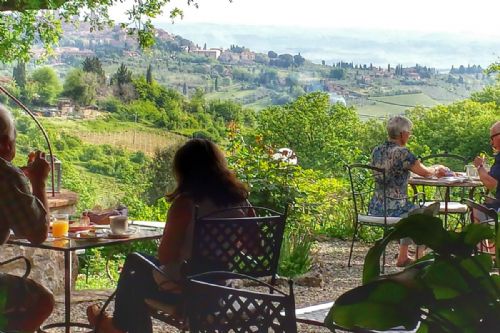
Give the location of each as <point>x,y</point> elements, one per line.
<point>182,202</point>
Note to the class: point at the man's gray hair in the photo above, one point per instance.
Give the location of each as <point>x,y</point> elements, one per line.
<point>7,126</point>
<point>495,127</point>
<point>397,125</point>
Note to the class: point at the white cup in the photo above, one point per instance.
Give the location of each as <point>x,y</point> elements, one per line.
<point>118,224</point>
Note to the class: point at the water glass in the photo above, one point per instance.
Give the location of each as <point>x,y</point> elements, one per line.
<point>470,170</point>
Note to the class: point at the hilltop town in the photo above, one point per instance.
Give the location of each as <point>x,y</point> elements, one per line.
<point>257,79</point>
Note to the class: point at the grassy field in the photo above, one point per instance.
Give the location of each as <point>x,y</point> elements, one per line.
<point>128,135</point>
<point>389,105</point>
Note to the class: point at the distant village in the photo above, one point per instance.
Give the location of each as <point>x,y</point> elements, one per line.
<point>81,42</point>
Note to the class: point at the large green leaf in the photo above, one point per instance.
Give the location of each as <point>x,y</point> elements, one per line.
<point>423,229</point>
<point>475,232</point>
<point>445,280</point>
<point>379,305</point>
<point>426,230</point>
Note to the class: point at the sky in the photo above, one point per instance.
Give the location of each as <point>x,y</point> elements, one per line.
<point>477,18</point>
<point>437,33</point>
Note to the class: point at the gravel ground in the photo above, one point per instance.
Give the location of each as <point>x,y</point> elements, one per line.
<point>330,262</point>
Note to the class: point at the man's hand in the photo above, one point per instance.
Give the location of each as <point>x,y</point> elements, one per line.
<point>478,161</point>
<point>38,168</point>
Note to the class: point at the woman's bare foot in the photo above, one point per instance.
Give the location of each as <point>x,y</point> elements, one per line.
<point>103,323</point>
<point>404,262</point>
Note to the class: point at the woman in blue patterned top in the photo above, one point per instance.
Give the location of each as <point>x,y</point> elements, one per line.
<point>398,161</point>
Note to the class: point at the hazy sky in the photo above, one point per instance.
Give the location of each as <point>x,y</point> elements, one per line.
<point>477,17</point>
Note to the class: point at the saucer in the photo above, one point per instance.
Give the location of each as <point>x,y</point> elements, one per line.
<point>126,234</point>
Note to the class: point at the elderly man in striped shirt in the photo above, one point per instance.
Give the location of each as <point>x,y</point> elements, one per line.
<point>26,213</point>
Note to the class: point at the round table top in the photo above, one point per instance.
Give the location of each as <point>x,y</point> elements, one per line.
<point>454,181</point>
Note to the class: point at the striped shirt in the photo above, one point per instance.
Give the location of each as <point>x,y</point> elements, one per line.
<point>20,211</point>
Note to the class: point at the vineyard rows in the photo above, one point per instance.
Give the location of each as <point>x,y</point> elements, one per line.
<point>132,140</point>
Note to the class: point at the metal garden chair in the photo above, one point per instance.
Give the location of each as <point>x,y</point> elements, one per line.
<point>483,214</point>
<point>247,245</point>
<point>365,179</point>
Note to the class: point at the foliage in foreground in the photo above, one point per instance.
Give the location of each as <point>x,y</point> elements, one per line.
<point>450,290</point>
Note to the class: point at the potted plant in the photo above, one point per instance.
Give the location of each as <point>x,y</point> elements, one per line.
<point>453,289</point>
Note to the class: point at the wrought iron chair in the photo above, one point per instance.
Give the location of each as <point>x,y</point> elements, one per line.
<point>483,214</point>
<point>365,179</point>
<point>247,245</point>
<point>27,272</point>
<point>215,308</point>
<point>453,206</point>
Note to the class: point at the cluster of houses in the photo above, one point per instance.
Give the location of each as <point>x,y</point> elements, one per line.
<point>66,109</point>
<point>244,57</point>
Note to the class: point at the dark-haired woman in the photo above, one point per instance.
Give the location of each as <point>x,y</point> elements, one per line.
<point>203,180</point>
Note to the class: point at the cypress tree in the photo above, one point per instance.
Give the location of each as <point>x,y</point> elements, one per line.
<point>149,74</point>
<point>19,74</point>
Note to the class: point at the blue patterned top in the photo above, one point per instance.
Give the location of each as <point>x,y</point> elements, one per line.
<point>396,161</point>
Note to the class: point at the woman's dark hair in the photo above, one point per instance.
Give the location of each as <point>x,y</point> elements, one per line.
<point>201,171</point>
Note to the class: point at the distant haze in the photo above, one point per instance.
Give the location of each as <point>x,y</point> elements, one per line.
<point>380,47</point>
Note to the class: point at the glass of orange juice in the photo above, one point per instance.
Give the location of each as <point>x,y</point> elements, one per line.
<point>60,226</point>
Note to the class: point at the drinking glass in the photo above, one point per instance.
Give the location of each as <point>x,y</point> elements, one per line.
<point>60,226</point>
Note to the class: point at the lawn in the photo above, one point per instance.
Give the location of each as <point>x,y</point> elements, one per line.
<point>397,104</point>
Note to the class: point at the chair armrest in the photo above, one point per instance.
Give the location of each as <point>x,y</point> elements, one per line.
<point>26,261</point>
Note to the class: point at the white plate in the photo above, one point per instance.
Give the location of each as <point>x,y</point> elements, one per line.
<point>85,236</point>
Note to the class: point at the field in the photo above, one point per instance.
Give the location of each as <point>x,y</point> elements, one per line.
<point>127,135</point>
<point>131,140</point>
<point>388,105</point>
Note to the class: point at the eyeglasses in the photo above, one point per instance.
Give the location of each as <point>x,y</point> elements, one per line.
<point>492,136</point>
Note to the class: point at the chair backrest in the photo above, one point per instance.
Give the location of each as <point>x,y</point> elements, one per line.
<point>215,308</point>
<point>248,245</point>
<point>364,180</point>
<point>453,161</point>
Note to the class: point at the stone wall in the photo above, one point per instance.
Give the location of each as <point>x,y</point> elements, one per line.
<point>47,266</point>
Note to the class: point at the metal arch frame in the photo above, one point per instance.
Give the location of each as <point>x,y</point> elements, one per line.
<point>49,146</point>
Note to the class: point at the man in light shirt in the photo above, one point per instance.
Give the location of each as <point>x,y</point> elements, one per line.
<point>25,211</point>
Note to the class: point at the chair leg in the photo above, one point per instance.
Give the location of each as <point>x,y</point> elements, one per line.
<point>352,243</point>
<point>383,256</point>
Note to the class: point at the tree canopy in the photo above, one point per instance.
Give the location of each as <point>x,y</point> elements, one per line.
<point>24,23</point>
